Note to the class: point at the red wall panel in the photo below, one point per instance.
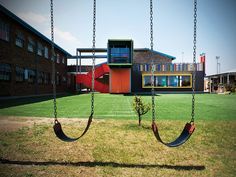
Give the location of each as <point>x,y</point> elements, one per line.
<point>120,80</point>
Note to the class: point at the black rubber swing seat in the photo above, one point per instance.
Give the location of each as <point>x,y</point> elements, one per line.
<point>183,137</point>
<point>62,136</point>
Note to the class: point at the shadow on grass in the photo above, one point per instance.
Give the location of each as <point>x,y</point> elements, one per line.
<point>136,127</point>
<point>141,94</point>
<point>6,103</point>
<point>104,164</point>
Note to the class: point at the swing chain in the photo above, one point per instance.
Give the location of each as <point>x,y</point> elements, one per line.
<point>151,25</point>
<point>93,63</point>
<point>53,64</point>
<point>194,61</point>
<point>152,62</point>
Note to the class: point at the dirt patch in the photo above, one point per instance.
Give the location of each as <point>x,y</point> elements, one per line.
<point>13,123</point>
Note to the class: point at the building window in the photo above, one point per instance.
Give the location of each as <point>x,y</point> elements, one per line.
<point>30,75</point>
<point>40,77</point>
<point>31,45</point>
<point>173,81</point>
<point>120,55</point>
<point>46,78</point>
<point>63,60</point>
<point>147,81</point>
<point>19,39</point>
<point>167,81</point>
<point>39,49</point>
<point>58,80</point>
<point>160,81</point>
<point>53,58</point>
<point>186,81</point>
<point>4,31</point>
<point>58,58</point>
<point>5,72</point>
<point>46,52</point>
<point>20,74</point>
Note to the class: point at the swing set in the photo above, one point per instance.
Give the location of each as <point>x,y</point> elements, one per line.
<point>189,126</point>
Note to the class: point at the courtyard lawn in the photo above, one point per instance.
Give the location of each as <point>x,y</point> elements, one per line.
<point>115,146</point>
<point>110,106</point>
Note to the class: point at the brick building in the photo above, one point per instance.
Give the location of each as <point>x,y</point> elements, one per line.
<point>25,59</point>
<point>168,76</point>
<point>130,70</point>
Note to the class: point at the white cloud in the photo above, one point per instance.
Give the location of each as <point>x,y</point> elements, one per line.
<point>37,19</point>
<point>64,39</point>
<point>33,18</point>
<point>65,35</point>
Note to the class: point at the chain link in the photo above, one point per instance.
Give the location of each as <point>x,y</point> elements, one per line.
<point>151,25</point>
<point>194,60</point>
<point>53,64</point>
<point>152,62</point>
<point>93,67</point>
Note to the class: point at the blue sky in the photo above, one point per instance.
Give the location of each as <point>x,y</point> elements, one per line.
<point>129,19</point>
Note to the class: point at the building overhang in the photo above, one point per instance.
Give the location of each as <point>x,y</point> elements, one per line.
<point>104,50</point>
<point>230,72</point>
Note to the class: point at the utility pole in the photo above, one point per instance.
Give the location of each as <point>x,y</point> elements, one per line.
<point>217,65</point>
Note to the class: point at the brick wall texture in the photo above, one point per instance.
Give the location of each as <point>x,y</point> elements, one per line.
<point>16,56</point>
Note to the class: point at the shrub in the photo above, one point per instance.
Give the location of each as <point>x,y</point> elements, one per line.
<point>140,108</point>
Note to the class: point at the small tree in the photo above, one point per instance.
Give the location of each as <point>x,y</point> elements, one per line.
<point>140,108</point>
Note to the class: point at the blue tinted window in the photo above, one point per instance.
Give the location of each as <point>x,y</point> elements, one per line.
<point>147,81</point>
<point>161,81</point>
<point>120,55</point>
<point>168,81</point>
<point>173,81</point>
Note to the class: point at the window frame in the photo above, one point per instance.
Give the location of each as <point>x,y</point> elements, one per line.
<point>58,58</point>
<point>20,39</point>
<point>20,73</point>
<point>40,79</point>
<point>46,52</point>
<point>4,31</point>
<point>120,55</point>
<point>31,43</point>
<point>63,60</point>
<point>5,72</point>
<point>167,80</point>
<point>58,79</point>
<point>40,49</point>
<point>30,76</point>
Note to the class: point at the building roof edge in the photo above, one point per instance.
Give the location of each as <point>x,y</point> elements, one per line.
<point>27,26</point>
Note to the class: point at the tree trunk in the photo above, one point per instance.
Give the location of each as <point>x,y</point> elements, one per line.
<point>139,120</point>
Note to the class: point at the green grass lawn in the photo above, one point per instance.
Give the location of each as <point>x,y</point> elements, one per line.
<point>115,146</point>
<point>168,106</point>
